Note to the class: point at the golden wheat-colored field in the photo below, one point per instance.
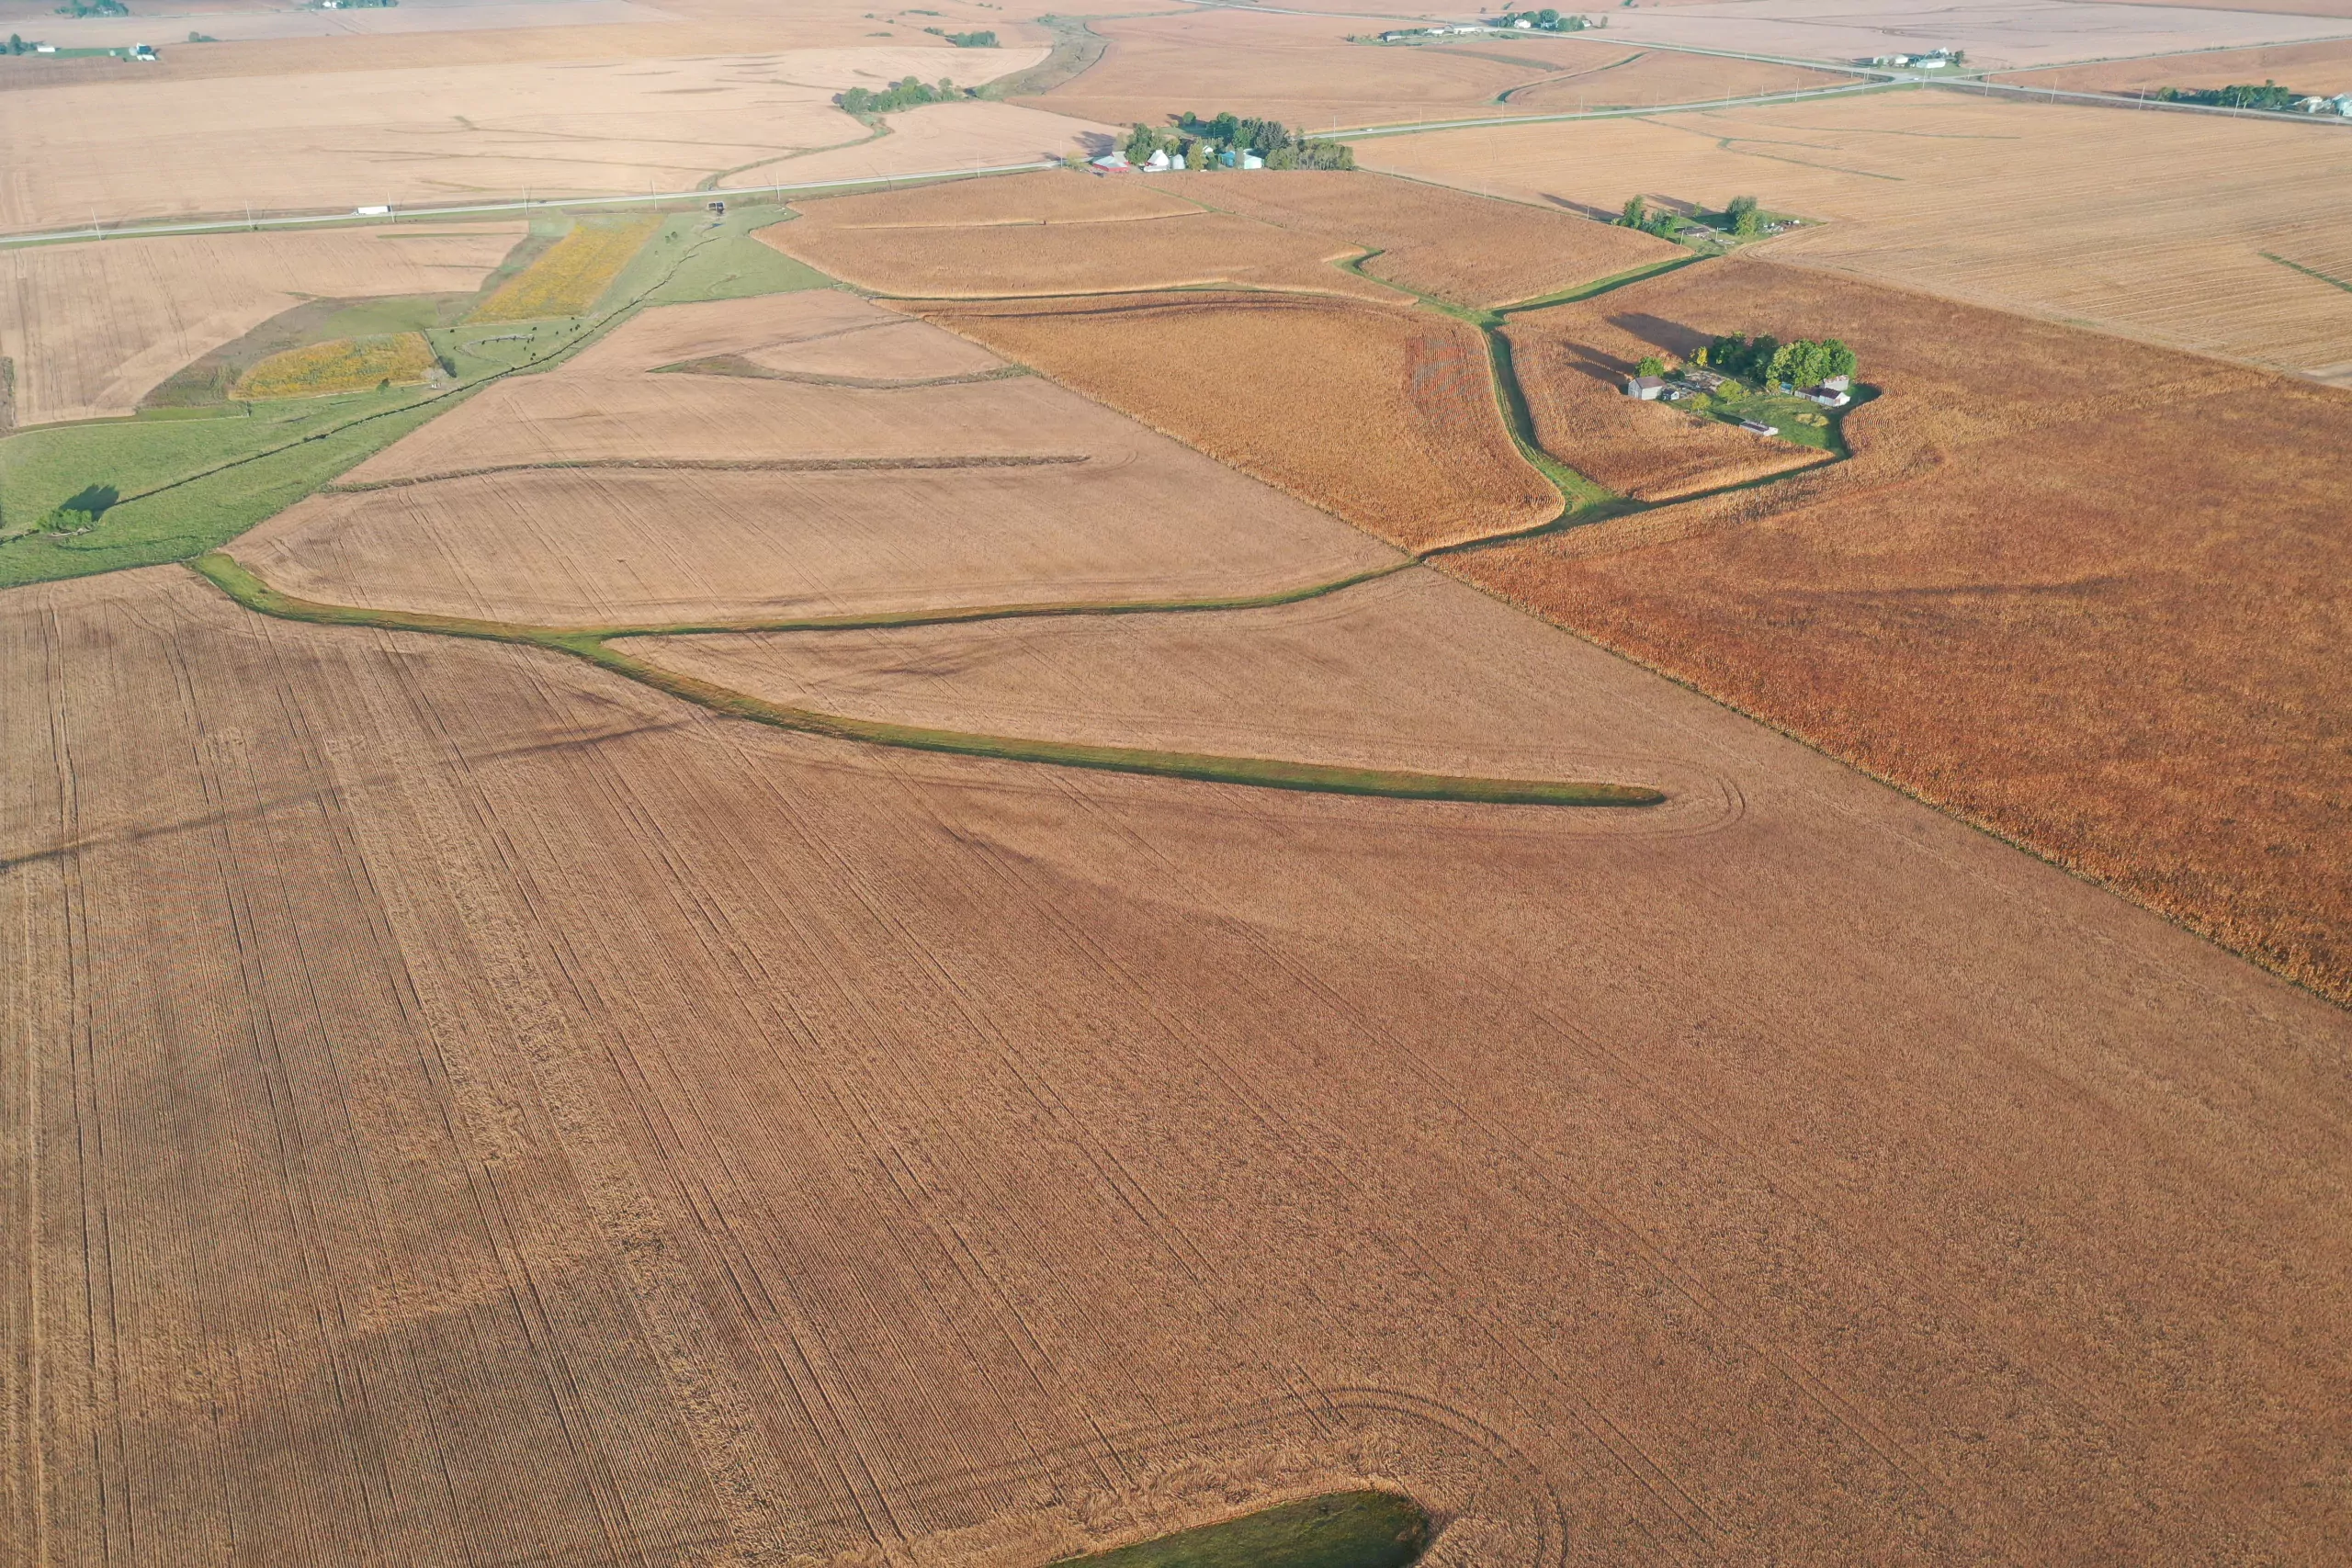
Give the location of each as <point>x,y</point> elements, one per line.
<point>1471,250</point>
<point>93,328</point>
<point>721,1144</point>
<point>2000,203</point>
<point>2101,620</point>
<point>341,364</point>
<point>427,134</point>
<point>2306,67</point>
<point>1572,361</point>
<point>790,498</point>
<point>570,275</point>
<point>1381,416</point>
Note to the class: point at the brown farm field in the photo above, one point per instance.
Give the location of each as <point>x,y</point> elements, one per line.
<point>1303,71</point>
<point>429,133</point>
<point>2101,621</point>
<point>1471,250</point>
<point>2307,67</point>
<point>1114,512</point>
<point>721,1144</point>
<point>1381,416</point>
<point>92,328</point>
<point>2196,259</point>
<point>1572,361</point>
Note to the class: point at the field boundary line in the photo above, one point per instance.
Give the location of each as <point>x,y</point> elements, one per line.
<point>717,466</point>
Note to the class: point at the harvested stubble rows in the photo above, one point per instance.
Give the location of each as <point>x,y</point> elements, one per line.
<point>685,1107</point>
<point>748,521</point>
<point>1384,416</point>
<point>341,364</point>
<point>2181,263</point>
<point>1467,249</point>
<point>905,247</point>
<point>2307,67</point>
<point>1303,71</point>
<point>2105,621</point>
<point>94,328</point>
<point>570,275</point>
<point>1572,361</point>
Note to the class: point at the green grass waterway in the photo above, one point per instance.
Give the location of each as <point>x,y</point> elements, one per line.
<point>1344,1530</point>
<point>593,645</point>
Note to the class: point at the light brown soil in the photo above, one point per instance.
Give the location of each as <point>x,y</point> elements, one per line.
<point>1384,416</point>
<point>1999,203</point>
<point>453,1078</point>
<point>2101,619</point>
<point>1613,75</point>
<point>1468,248</point>
<point>2307,67</point>
<point>94,328</point>
<point>1135,516</point>
<point>434,133</point>
<point>962,244</point>
<point>1573,361</point>
<point>966,134</point>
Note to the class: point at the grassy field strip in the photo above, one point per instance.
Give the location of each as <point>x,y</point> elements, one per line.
<point>1344,1530</point>
<point>719,466</point>
<point>591,644</point>
<point>735,365</point>
<point>2308,271</point>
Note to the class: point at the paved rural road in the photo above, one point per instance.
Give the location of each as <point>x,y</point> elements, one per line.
<point>99,231</point>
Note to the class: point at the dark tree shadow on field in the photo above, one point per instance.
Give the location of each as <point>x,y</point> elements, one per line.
<point>1582,210</point>
<point>1097,143</point>
<point>1672,337</point>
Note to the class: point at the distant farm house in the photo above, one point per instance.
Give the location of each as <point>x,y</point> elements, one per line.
<point>1648,388</point>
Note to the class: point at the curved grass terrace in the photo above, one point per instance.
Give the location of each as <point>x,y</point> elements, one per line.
<point>593,645</point>
<point>1341,1529</point>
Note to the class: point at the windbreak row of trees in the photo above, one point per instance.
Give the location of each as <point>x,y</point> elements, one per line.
<point>2269,96</point>
<point>1281,147</point>
<point>1546,20</point>
<point>1766,359</point>
<point>1742,218</point>
<point>904,93</point>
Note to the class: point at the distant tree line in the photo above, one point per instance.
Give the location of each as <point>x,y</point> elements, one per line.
<point>2269,96</point>
<point>1281,147</point>
<point>964,40</point>
<point>904,93</point>
<point>1765,359</point>
<point>1546,20</point>
<point>94,8</point>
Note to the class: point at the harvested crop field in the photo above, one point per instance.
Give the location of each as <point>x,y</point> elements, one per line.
<point>1110,512</point>
<point>94,328</point>
<point>341,364</point>
<point>2187,261</point>
<point>570,275</point>
<point>1471,250</point>
<point>1049,196</point>
<point>965,134</point>
<point>722,1143</point>
<point>1383,416</point>
<point>2306,67</point>
<point>443,132</point>
<point>2009,33</point>
<point>1572,362</point>
<point>997,260</point>
<point>2103,621</point>
<point>1303,71</point>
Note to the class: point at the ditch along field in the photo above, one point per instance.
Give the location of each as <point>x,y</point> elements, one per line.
<point>1994,202</point>
<point>905,470</point>
<point>427,134</point>
<point>1572,362</point>
<point>723,1144</point>
<point>2103,620</point>
<point>1469,250</point>
<point>1303,71</point>
<point>2324,68</point>
<point>1383,416</point>
<point>93,328</point>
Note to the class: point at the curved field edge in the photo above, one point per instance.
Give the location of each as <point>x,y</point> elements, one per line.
<point>1339,1530</point>
<point>233,577</point>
